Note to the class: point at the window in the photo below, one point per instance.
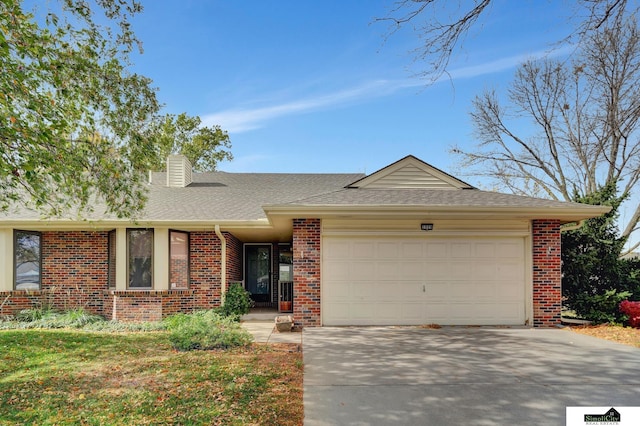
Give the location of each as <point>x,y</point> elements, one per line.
<point>179,259</point>
<point>140,256</point>
<point>111,276</point>
<point>27,255</point>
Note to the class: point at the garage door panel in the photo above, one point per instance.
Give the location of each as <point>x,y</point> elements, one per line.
<point>388,312</point>
<point>461,250</point>
<point>437,291</point>
<point>339,271</point>
<point>508,250</point>
<point>436,313</point>
<point>436,250</point>
<point>410,270</point>
<point>412,250</point>
<point>484,270</point>
<point>508,271</point>
<point>336,249</point>
<point>363,271</point>
<point>510,291</point>
<point>363,290</point>
<point>460,270</point>
<point>363,311</point>
<point>337,313</point>
<point>389,250</point>
<point>461,290</point>
<point>462,312</point>
<point>387,280</point>
<point>363,250</point>
<point>411,313</point>
<point>436,269</point>
<point>387,270</point>
<point>336,292</point>
<point>503,313</point>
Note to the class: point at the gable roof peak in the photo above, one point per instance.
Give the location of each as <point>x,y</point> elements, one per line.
<point>410,172</point>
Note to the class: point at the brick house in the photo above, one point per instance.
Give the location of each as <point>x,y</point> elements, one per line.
<point>408,244</point>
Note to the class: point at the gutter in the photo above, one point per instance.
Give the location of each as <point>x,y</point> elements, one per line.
<point>223,264</point>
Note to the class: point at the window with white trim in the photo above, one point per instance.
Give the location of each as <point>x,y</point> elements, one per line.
<point>140,258</point>
<point>179,259</point>
<point>27,250</point>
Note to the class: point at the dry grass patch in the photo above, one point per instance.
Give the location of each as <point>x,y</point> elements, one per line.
<point>71,377</point>
<point>615,333</point>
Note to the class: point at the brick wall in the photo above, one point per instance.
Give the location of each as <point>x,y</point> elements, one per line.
<point>75,265</point>
<point>547,278</point>
<point>306,271</point>
<point>14,301</point>
<point>234,258</point>
<point>74,273</point>
<point>75,269</point>
<point>179,268</point>
<point>205,269</point>
<point>148,305</point>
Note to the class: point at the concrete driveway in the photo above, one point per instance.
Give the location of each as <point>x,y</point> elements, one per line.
<point>461,376</point>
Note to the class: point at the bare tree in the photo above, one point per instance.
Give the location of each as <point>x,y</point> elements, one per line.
<point>442,25</point>
<point>567,129</point>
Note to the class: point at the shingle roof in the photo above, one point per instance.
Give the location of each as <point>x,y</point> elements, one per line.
<point>235,196</point>
<point>221,196</point>
<point>428,198</point>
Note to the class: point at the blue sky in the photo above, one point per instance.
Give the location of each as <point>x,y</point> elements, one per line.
<point>306,86</point>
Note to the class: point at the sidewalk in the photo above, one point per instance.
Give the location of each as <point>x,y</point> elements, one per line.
<point>265,332</point>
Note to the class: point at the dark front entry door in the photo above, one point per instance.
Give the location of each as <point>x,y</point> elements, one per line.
<point>257,273</point>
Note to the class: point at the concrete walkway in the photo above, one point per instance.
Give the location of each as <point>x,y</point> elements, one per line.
<point>265,332</point>
<point>461,376</point>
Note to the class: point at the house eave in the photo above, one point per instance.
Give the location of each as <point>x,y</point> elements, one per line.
<point>96,225</point>
<point>565,215</point>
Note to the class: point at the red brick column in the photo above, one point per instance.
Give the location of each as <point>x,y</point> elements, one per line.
<point>547,274</point>
<point>205,269</point>
<point>306,272</point>
<point>234,258</point>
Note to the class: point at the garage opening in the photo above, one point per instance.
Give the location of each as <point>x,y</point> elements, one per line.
<point>412,281</point>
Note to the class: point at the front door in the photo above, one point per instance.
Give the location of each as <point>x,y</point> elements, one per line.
<point>257,273</point>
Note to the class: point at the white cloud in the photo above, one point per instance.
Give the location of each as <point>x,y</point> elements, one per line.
<point>238,120</point>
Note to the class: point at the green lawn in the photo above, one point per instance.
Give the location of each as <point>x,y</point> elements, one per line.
<point>74,377</point>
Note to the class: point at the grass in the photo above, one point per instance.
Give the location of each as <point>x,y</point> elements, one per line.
<point>66,377</point>
<point>615,333</point>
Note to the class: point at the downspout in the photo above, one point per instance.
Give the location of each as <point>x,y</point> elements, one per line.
<point>223,264</point>
<point>573,227</point>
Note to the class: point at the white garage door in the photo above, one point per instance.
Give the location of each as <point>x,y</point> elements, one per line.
<point>403,281</point>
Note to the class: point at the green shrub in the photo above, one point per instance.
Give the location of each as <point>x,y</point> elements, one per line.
<point>594,277</point>
<point>205,330</point>
<point>49,318</point>
<point>78,318</point>
<point>237,302</point>
<point>602,308</point>
<point>35,314</point>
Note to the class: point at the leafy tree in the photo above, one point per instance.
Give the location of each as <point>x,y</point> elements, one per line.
<point>64,80</point>
<point>181,134</point>
<point>443,25</point>
<point>595,279</point>
<point>567,128</point>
